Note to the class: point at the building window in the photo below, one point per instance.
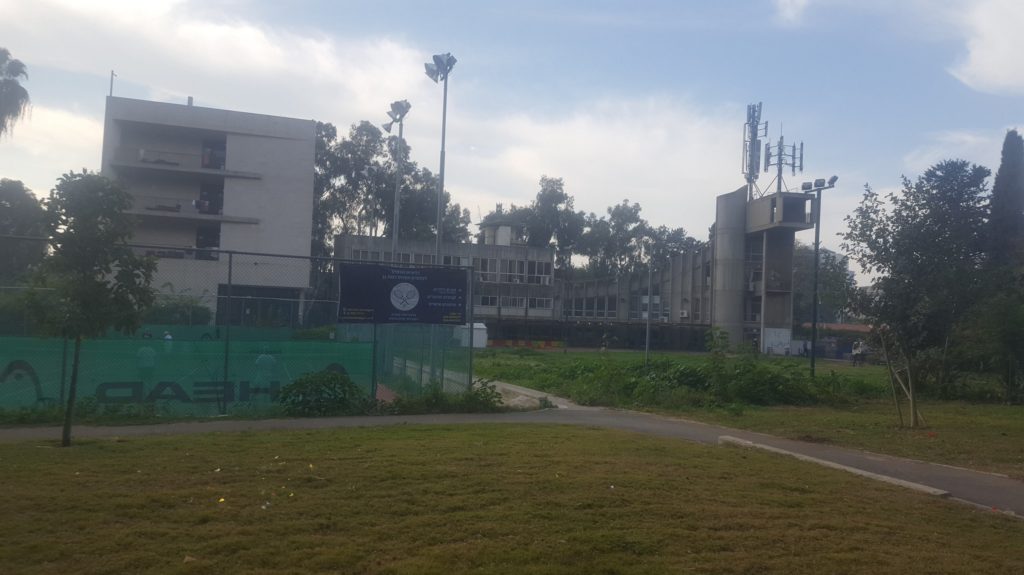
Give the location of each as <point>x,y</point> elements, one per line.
<point>538,273</point>
<point>455,261</point>
<point>513,271</point>
<point>487,267</point>
<point>540,303</point>
<point>487,300</point>
<point>214,154</point>
<point>513,301</point>
<point>754,307</point>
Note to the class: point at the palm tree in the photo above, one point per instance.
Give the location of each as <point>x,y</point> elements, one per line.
<point>13,96</point>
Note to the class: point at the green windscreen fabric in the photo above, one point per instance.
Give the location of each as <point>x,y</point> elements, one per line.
<point>188,376</point>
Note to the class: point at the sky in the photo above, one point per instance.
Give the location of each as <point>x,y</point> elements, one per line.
<point>638,100</point>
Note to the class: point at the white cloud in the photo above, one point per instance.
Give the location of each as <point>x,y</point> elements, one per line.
<point>979,148</point>
<point>668,155</point>
<point>790,11</point>
<point>993,30</point>
<point>48,143</point>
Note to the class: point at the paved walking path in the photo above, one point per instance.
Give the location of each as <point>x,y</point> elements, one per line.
<point>987,490</point>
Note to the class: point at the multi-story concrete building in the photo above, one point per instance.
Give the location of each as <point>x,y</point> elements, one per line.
<point>513,281</point>
<point>205,179</point>
<point>741,280</point>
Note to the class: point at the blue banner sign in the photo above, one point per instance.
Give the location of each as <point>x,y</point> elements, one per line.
<point>377,293</point>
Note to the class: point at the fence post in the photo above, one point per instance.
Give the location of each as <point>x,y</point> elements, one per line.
<point>472,330</point>
<point>373,365</point>
<point>227,319</point>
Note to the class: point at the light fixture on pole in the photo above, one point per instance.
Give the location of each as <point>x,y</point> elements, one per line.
<point>438,71</point>
<point>397,114</point>
<point>650,282</point>
<point>807,187</point>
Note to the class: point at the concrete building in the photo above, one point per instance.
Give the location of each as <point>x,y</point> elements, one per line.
<point>752,262</point>
<point>513,281</point>
<point>740,281</point>
<point>205,179</point>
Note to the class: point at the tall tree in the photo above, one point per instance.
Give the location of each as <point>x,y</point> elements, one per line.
<point>995,327</point>
<point>92,281</point>
<point>355,178</point>
<point>14,100</point>
<point>327,202</point>
<point>924,245</point>
<point>21,214</point>
<point>835,284</point>
<point>1006,213</point>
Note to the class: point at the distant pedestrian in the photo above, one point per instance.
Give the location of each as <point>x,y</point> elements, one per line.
<point>168,342</point>
<point>858,353</point>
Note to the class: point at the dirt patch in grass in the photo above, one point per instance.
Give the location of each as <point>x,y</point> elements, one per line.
<point>480,499</point>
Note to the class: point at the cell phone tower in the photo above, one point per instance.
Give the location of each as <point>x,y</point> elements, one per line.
<point>753,131</point>
<point>780,156</point>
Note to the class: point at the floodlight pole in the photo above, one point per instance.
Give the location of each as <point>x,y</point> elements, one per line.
<point>398,187</point>
<point>440,185</point>
<point>814,303</point>
<point>647,339</point>
<point>819,185</point>
<point>650,282</point>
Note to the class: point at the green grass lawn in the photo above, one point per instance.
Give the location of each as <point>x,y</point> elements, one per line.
<point>977,436</point>
<point>476,499</point>
<point>987,437</point>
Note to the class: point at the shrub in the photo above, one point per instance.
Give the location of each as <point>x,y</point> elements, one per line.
<point>323,393</point>
<point>178,310</point>
<point>481,397</point>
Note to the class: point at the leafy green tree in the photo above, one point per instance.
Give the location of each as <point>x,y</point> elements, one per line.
<point>549,221</point>
<point>21,214</point>
<point>924,245</point>
<point>92,281</point>
<point>835,284</point>
<point>14,100</point>
<point>328,203</point>
<point>355,179</point>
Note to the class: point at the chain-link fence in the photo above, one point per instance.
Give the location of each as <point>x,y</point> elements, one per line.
<point>228,330</point>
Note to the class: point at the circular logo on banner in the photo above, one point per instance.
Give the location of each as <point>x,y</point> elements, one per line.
<point>405,296</point>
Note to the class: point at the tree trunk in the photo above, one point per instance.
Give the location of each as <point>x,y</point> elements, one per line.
<point>892,377</point>
<point>911,394</point>
<point>65,440</point>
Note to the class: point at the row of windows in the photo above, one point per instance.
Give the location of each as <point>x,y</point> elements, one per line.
<point>515,301</point>
<point>408,258</point>
<point>513,271</point>
<point>405,258</point>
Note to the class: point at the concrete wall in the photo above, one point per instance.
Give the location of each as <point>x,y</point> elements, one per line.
<point>729,280</point>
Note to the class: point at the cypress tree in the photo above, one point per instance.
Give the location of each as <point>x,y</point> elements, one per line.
<point>1006,207</point>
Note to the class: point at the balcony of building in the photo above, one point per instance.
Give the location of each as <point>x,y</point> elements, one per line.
<point>178,208</point>
<point>203,160</point>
